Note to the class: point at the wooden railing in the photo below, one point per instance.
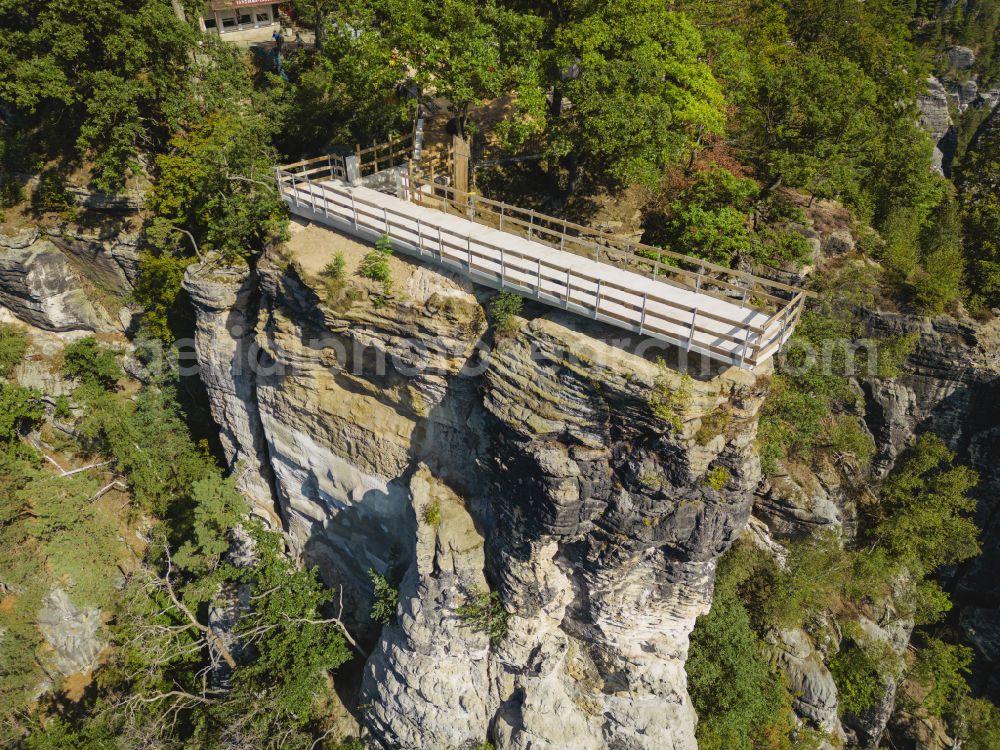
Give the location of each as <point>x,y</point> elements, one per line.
<point>393,153</point>
<point>689,271</point>
<point>375,158</point>
<point>738,335</point>
<point>320,169</point>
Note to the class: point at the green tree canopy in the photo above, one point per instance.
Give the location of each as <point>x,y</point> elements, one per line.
<point>639,94</point>
<point>979,188</point>
<point>13,345</point>
<point>925,509</point>
<point>740,698</point>
<point>94,76</point>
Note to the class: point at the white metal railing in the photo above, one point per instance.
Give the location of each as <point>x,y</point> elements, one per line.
<point>681,315</point>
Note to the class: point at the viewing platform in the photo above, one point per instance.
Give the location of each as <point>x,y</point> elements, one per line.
<point>728,315</point>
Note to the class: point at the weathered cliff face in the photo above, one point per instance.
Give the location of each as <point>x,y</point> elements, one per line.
<point>226,301</point>
<point>555,480</point>
<point>953,389</point>
<point>955,91</point>
<point>429,680</point>
<point>935,118</point>
<point>351,400</point>
<point>67,278</point>
<point>607,535</point>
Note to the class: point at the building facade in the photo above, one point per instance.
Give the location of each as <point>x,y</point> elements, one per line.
<point>241,19</point>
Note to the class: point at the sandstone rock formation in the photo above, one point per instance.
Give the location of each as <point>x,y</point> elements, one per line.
<point>607,535</point>
<point>810,681</point>
<point>960,58</point>
<point>950,387</point>
<point>66,279</point>
<point>71,633</point>
<point>226,309</point>
<point>936,120</point>
<point>557,479</point>
<point>429,677</point>
<point>108,251</point>
<point>953,389</point>
<point>38,285</point>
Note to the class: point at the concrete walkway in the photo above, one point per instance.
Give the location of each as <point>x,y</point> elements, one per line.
<point>667,310</point>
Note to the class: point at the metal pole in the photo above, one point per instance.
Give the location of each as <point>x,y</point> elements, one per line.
<point>502,269</point>
<point>531,222</point>
<point>501,216</point>
<point>597,301</point>
<point>569,285</point>
<point>746,343</point>
<point>420,237</point>
<point>354,212</point>
<point>694,317</point>
<point>538,279</point>
<point>440,247</point>
<point>468,248</point>
<point>385,217</point>
<point>642,317</point>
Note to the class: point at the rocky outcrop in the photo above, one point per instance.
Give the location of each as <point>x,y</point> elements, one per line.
<point>949,388</point>
<point>71,633</point>
<point>960,58</point>
<point>109,251</point>
<point>812,501</point>
<point>952,388</point>
<point>67,279</point>
<point>559,484</point>
<point>955,103</point>
<point>935,118</point>
<point>128,201</point>
<point>224,298</point>
<point>351,398</point>
<point>810,682</point>
<point>429,677</point>
<point>39,286</point>
<point>556,477</point>
<point>607,535</point>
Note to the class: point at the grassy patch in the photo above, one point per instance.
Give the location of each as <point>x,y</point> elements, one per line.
<point>432,514</point>
<point>667,401</point>
<point>484,612</point>
<point>714,424</point>
<point>504,309</point>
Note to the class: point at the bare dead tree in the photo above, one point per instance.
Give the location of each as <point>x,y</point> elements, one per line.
<point>213,638</point>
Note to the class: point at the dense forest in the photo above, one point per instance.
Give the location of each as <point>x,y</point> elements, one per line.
<point>722,123</point>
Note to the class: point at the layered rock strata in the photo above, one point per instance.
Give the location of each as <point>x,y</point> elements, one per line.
<point>69,279</point>
<point>589,487</point>
<point>225,299</point>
